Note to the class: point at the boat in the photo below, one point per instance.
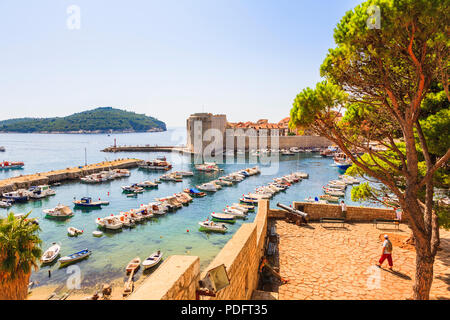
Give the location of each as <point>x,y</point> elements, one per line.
<point>210,226</point>
<point>342,161</point>
<point>133,265</point>
<point>97,233</point>
<point>155,165</point>
<point>249,201</point>
<point>184,173</point>
<point>207,167</point>
<point>235,213</point>
<point>87,202</point>
<point>329,198</point>
<point>73,232</point>
<point>5,204</point>
<point>51,253</point>
<point>20,195</point>
<point>193,192</point>
<point>208,187</point>
<point>59,212</point>
<point>132,189</point>
<point>334,193</point>
<point>2,149</point>
<point>248,207</point>
<point>223,217</point>
<point>147,184</point>
<point>152,260</point>
<point>111,223</point>
<point>39,192</point>
<point>5,165</point>
<point>77,256</point>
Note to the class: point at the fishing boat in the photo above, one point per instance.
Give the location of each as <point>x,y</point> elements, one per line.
<point>147,184</point>
<point>20,195</point>
<point>73,232</point>
<point>193,192</point>
<point>342,161</point>
<point>126,220</point>
<point>210,226</point>
<point>5,165</point>
<point>133,265</point>
<point>132,189</point>
<point>238,208</point>
<point>152,260</point>
<point>252,202</point>
<point>87,202</point>
<point>59,212</point>
<point>51,253</point>
<point>155,165</point>
<point>39,192</point>
<point>329,198</point>
<point>184,173</point>
<point>223,217</point>
<point>77,256</point>
<point>207,167</point>
<point>156,208</point>
<point>111,223</point>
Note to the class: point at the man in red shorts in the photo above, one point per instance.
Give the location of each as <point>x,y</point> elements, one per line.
<point>386,252</point>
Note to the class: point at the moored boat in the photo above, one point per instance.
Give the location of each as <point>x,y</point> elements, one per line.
<point>73,232</point>
<point>210,226</point>
<point>87,202</point>
<point>133,265</point>
<point>59,212</point>
<point>5,165</point>
<point>152,260</point>
<point>223,217</point>
<point>74,257</point>
<point>51,253</point>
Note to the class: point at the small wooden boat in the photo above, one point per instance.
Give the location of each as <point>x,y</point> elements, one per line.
<point>210,226</point>
<point>133,265</point>
<point>73,232</point>
<point>152,260</point>
<point>51,253</point>
<point>77,256</point>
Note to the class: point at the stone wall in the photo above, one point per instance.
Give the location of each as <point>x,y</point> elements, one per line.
<point>284,142</point>
<point>175,279</point>
<point>316,211</point>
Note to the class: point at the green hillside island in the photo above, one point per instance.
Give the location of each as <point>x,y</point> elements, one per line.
<point>100,120</point>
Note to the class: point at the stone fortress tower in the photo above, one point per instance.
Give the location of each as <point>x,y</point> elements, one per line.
<point>199,123</point>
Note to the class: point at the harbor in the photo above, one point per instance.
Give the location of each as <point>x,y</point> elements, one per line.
<point>174,233</point>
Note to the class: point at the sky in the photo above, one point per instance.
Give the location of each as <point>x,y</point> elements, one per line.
<point>247,59</point>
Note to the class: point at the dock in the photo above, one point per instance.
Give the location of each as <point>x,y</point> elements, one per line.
<point>74,173</point>
<point>147,148</point>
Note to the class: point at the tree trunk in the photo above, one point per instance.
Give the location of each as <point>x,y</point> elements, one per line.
<point>424,276</point>
<point>15,289</point>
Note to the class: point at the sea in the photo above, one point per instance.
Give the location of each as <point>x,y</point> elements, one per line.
<point>174,234</point>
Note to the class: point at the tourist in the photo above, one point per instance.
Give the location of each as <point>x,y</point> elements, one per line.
<point>386,252</point>
<point>344,209</point>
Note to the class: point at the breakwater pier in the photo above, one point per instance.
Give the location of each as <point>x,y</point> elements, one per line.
<point>146,148</point>
<point>74,173</point>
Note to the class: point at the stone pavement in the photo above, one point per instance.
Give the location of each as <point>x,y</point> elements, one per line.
<point>335,263</point>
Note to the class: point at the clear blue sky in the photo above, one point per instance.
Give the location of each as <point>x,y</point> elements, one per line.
<point>168,59</point>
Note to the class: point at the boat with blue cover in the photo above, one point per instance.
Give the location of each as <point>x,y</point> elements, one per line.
<point>87,202</point>
<point>193,192</point>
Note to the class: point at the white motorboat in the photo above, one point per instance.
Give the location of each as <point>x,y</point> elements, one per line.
<point>73,232</point>
<point>111,223</point>
<point>210,226</point>
<point>235,213</point>
<point>4,204</point>
<point>209,187</point>
<point>59,212</point>
<point>51,253</point>
<point>152,260</point>
<point>39,192</point>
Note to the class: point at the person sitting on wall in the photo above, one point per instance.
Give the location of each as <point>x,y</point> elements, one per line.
<point>344,209</point>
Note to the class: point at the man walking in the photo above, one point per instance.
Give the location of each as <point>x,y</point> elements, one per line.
<point>344,209</point>
<point>386,252</point>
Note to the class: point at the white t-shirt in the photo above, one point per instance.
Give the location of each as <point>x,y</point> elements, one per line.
<point>387,250</point>
<point>344,207</point>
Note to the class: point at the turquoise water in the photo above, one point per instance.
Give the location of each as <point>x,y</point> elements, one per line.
<point>169,233</point>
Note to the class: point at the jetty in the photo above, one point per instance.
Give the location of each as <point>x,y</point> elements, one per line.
<point>74,173</point>
<point>146,148</point>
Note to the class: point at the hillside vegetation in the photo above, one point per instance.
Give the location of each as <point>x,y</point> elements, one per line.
<point>104,119</point>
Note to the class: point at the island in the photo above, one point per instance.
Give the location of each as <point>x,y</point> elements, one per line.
<point>99,120</point>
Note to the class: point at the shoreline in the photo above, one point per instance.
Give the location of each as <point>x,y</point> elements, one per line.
<point>84,132</point>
